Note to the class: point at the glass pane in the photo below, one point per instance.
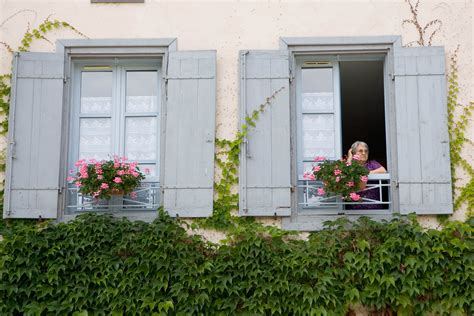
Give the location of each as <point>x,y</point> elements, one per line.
<point>141,138</point>
<point>96,92</point>
<point>318,135</point>
<point>151,168</point>
<point>317,89</point>
<point>142,91</point>
<point>95,138</point>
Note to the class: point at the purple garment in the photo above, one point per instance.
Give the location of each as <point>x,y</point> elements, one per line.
<point>373,194</point>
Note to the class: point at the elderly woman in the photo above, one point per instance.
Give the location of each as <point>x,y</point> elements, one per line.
<point>362,150</point>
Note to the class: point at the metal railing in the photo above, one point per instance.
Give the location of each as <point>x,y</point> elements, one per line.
<point>147,199</point>
<point>378,183</point>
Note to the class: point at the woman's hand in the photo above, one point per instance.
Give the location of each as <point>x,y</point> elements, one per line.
<point>378,170</point>
<point>349,155</point>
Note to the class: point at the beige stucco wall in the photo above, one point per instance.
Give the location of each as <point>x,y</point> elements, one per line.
<point>230,25</point>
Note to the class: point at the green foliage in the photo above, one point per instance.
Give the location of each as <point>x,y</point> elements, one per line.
<point>104,265</point>
<point>227,161</point>
<point>457,128</point>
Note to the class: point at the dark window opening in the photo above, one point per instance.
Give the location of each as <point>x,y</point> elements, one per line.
<point>362,107</point>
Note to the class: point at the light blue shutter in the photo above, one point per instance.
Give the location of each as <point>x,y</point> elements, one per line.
<point>190,127</point>
<point>34,136</point>
<point>264,178</point>
<point>424,176</point>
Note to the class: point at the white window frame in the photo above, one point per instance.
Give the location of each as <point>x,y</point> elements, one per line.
<point>74,50</point>
<point>347,47</point>
<point>118,115</point>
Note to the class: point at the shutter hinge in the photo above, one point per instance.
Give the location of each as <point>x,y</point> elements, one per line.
<point>60,190</point>
<point>65,79</point>
<point>245,210</point>
<point>392,76</point>
<point>292,189</point>
<point>341,213</point>
<point>396,183</point>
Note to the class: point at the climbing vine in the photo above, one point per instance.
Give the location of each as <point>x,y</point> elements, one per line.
<point>425,32</point>
<point>458,140</point>
<point>227,161</point>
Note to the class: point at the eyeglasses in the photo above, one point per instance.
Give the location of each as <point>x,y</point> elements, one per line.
<point>363,151</point>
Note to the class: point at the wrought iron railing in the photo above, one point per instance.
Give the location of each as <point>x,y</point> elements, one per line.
<point>147,199</point>
<point>379,183</point>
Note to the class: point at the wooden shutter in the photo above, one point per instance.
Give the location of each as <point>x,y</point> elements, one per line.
<point>424,176</point>
<point>188,178</point>
<point>34,136</point>
<point>264,179</point>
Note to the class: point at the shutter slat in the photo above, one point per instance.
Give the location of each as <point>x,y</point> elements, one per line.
<point>33,161</point>
<point>190,127</point>
<point>422,137</point>
<point>264,180</point>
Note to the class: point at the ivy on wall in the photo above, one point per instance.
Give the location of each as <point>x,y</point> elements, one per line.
<point>104,265</point>
<point>458,140</point>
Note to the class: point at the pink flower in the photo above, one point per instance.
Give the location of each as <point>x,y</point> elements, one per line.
<point>117,180</point>
<point>321,191</point>
<point>337,172</point>
<point>100,177</point>
<point>350,184</point>
<point>348,163</point>
<point>120,172</point>
<point>133,195</point>
<point>354,196</point>
<point>124,158</point>
<point>319,158</point>
<point>338,179</point>
<point>316,168</point>
<point>364,178</point>
<point>104,186</point>
<point>309,176</point>
<point>78,183</point>
<point>79,162</point>
<point>356,157</point>
<point>135,174</point>
<point>70,179</point>
<point>96,194</point>
<point>147,170</point>
<point>116,165</point>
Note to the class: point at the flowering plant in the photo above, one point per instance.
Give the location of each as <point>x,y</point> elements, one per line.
<point>339,176</point>
<point>102,179</point>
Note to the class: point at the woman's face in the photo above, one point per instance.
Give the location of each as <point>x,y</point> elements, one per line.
<point>363,153</point>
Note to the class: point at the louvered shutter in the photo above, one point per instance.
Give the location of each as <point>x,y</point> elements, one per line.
<point>190,127</point>
<point>34,137</point>
<point>264,174</point>
<point>424,176</point>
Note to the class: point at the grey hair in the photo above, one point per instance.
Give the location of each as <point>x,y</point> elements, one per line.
<point>357,144</point>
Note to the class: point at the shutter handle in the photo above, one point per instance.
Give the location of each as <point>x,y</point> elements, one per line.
<point>247,151</point>
<point>12,148</point>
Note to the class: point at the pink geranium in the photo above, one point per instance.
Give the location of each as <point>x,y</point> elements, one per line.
<point>354,196</point>
<point>118,180</point>
<point>319,158</point>
<point>78,184</point>
<point>316,168</point>
<point>338,179</point>
<point>104,186</point>
<point>100,177</point>
<point>321,191</point>
<point>364,178</point>
<point>133,195</point>
<point>337,172</point>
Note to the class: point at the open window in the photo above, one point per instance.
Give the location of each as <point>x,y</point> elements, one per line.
<point>340,99</point>
<point>339,90</point>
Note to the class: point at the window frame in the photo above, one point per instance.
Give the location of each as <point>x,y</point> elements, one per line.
<point>90,49</point>
<point>347,47</point>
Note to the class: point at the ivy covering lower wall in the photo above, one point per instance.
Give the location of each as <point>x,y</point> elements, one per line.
<point>102,265</point>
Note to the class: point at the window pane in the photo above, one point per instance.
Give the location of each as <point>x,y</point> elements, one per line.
<point>318,135</point>
<point>142,91</point>
<point>141,138</point>
<point>317,89</point>
<point>96,92</point>
<point>95,138</point>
